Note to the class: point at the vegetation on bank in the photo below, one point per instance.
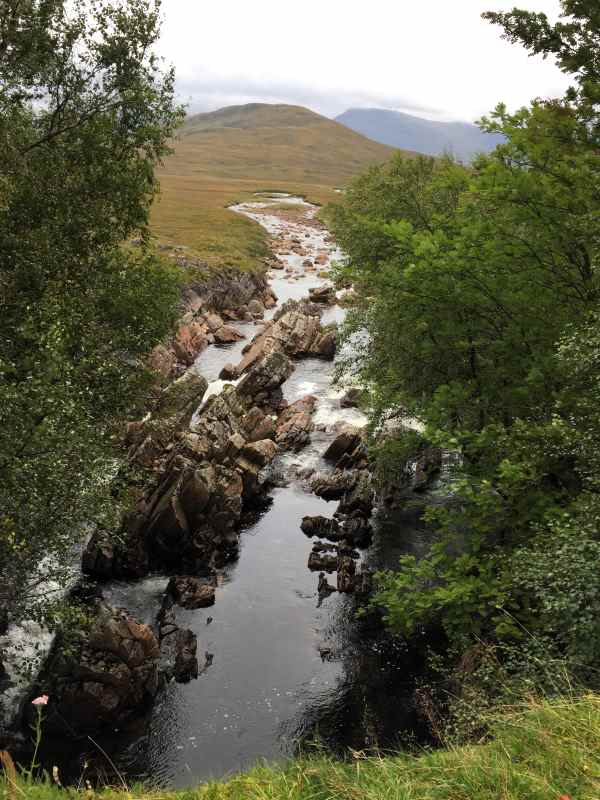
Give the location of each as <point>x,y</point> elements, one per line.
<point>544,751</point>
<point>86,113</point>
<point>479,289</point>
<point>226,156</point>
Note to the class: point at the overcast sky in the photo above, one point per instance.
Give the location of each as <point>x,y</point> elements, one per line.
<point>435,58</point>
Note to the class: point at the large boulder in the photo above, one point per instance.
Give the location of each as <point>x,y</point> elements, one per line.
<point>333,485</point>
<point>227,334</point>
<point>295,424</point>
<point>295,330</point>
<point>190,592</point>
<point>322,562</point>
<point>323,294</point>
<point>321,527</point>
<point>103,677</point>
<point>178,655</point>
<point>265,376</point>
<point>359,499</point>
<point>344,443</point>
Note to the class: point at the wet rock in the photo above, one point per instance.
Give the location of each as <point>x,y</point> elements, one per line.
<point>295,424</point>
<point>357,531</point>
<point>323,294</point>
<point>322,527</point>
<point>229,373</point>
<point>360,498</point>
<point>189,341</point>
<point>227,334</point>
<point>104,677</point>
<point>261,452</point>
<point>178,659</point>
<point>324,588</point>
<point>98,558</point>
<point>318,561</point>
<point>333,485</point>
<point>266,375</point>
<point>325,345</point>
<point>269,298</point>
<point>346,569</point>
<point>295,331</point>
<point>257,425</point>
<point>213,322</point>
<point>190,592</point>
<point>149,441</point>
<point>256,309</point>
<point>344,443</point>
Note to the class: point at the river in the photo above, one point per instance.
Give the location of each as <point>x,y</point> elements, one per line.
<point>284,668</point>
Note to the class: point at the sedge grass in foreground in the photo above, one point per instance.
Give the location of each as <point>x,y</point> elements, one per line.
<point>544,751</point>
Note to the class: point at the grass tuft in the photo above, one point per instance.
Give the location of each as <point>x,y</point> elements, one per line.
<point>544,751</point>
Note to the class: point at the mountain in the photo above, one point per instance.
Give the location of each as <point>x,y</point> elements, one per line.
<point>274,142</point>
<point>226,155</point>
<point>408,132</point>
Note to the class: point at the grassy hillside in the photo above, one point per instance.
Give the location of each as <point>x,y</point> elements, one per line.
<point>546,752</point>
<point>227,155</point>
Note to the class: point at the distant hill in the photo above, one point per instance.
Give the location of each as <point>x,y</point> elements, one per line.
<point>426,136</point>
<point>227,155</point>
<point>273,142</point>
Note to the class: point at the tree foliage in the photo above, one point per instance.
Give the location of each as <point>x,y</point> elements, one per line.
<point>478,289</point>
<point>86,111</point>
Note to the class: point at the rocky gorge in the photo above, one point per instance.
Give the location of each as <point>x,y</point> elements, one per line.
<point>247,438</point>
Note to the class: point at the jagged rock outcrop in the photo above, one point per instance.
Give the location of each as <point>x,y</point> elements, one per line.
<point>105,677</point>
<point>151,439</point>
<point>295,424</point>
<point>295,330</point>
<point>209,299</point>
<point>189,515</point>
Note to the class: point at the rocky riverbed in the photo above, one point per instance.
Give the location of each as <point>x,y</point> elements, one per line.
<point>223,625</point>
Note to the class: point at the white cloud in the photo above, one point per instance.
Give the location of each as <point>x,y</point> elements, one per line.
<point>432,57</point>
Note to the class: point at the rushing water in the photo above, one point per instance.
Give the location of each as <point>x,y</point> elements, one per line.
<point>284,668</point>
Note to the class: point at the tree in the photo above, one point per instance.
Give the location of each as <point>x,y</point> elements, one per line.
<point>481,310</point>
<point>86,112</point>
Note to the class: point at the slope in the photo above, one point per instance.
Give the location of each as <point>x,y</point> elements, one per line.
<point>426,136</point>
<point>227,155</point>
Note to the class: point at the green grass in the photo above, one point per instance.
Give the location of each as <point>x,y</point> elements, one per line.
<point>542,752</point>
<point>228,155</point>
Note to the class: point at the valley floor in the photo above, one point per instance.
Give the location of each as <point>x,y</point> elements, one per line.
<point>546,751</point>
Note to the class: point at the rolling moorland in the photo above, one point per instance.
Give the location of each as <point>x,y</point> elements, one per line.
<point>226,155</point>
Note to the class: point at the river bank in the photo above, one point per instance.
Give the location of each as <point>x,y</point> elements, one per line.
<point>542,750</point>
<point>279,662</point>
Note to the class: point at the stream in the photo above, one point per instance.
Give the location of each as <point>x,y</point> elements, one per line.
<point>284,669</point>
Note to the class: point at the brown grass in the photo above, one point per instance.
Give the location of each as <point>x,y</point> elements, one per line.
<point>221,158</point>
